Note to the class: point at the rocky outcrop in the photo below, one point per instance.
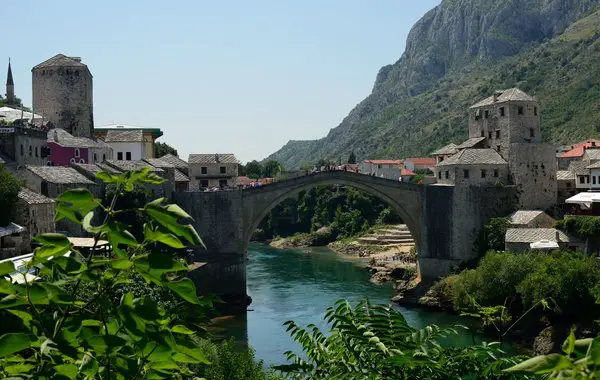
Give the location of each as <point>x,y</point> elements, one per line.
<point>451,42</point>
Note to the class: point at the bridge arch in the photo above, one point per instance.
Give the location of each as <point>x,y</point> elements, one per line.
<point>404,198</point>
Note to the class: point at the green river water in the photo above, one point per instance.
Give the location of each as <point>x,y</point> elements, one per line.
<point>299,285</point>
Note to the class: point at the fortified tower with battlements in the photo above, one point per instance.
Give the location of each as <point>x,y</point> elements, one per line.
<point>63,94</point>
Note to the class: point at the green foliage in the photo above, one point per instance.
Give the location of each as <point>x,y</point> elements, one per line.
<point>231,363</point>
<point>352,158</point>
<point>72,323</point>
<point>581,360</point>
<point>376,342</point>
<point>9,191</point>
<point>492,236</point>
<point>161,149</point>
<point>522,280</point>
<point>581,226</point>
<point>345,209</point>
<point>271,168</point>
<point>255,169</point>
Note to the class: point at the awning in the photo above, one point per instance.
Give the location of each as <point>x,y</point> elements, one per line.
<point>543,244</point>
<point>585,199</point>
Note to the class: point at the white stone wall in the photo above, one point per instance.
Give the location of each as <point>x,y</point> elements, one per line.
<point>136,149</point>
<point>100,154</point>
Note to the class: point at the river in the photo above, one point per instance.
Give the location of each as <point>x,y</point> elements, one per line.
<point>299,285</point>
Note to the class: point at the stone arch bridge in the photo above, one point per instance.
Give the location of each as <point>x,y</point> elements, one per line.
<point>443,220</point>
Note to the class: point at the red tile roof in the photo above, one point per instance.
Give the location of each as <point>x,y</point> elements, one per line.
<point>406,172</point>
<point>244,180</point>
<point>577,150</point>
<point>384,162</point>
<point>422,161</point>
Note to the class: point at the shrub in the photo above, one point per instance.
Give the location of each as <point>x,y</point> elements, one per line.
<point>9,191</point>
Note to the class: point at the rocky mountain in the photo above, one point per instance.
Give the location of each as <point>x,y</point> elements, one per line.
<point>460,52</point>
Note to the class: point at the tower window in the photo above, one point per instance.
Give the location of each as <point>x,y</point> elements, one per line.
<point>439,175</point>
<point>496,174</point>
<point>498,148</point>
<point>482,133</point>
<point>466,173</point>
<point>203,170</point>
<point>104,157</point>
<point>497,133</point>
<point>30,151</point>
<point>36,151</point>
<point>531,132</point>
<point>483,173</point>
<point>535,111</point>
<point>501,111</point>
<point>520,110</point>
<point>447,175</point>
<point>22,150</point>
<point>95,157</point>
<point>486,114</point>
<point>490,135</point>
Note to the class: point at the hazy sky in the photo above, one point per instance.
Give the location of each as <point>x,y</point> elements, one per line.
<point>216,76</point>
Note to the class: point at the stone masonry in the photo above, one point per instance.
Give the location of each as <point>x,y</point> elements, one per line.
<point>63,94</point>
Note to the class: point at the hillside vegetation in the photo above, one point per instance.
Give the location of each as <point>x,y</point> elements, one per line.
<point>458,54</point>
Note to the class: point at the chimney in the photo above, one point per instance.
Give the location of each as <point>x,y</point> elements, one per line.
<point>55,136</point>
<point>217,158</point>
<point>497,95</point>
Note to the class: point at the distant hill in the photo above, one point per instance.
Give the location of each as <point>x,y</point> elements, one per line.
<point>459,53</point>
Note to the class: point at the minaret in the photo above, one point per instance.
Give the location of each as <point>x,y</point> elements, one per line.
<point>10,85</point>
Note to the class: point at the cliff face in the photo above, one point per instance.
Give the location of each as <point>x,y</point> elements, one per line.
<point>455,39</point>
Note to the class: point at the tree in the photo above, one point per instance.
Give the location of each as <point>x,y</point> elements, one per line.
<point>162,149</point>
<point>271,168</point>
<point>69,324</point>
<point>254,169</point>
<point>9,193</point>
<point>352,158</point>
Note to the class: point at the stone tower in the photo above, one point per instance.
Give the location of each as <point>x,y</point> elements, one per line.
<point>510,122</point>
<point>63,94</point>
<point>10,85</point>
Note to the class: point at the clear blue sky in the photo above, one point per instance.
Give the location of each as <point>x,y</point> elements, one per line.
<point>216,76</point>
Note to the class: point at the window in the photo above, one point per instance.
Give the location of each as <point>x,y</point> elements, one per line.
<point>36,151</point>
<point>49,163</point>
<point>501,111</point>
<point>378,167</point>
<point>439,175</point>
<point>77,152</point>
<point>490,135</point>
<point>447,174</point>
<point>531,132</point>
<point>204,183</point>
<point>466,173</point>
<point>483,173</point>
<point>497,148</point>
<point>120,156</point>
<point>486,114</point>
<point>204,170</point>
<point>535,111</point>
<point>593,179</point>
<point>441,158</point>
<point>520,110</point>
<point>30,151</point>
<point>44,188</point>
<point>569,185</point>
<point>497,133</point>
<point>496,174</point>
<point>222,183</point>
<point>582,179</point>
<point>95,157</point>
<point>72,160</point>
<point>128,156</point>
<point>587,179</point>
<point>22,150</point>
<point>224,169</point>
<point>482,133</point>
<point>104,157</point>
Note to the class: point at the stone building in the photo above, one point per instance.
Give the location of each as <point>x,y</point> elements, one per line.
<point>575,153</point>
<point>63,94</point>
<point>445,152</point>
<point>473,167</point>
<point>66,149</point>
<point>519,239</point>
<point>36,213</point>
<point>419,163</point>
<point>530,219</point>
<point>176,168</point>
<point>213,170</point>
<point>390,169</point>
<point>51,181</point>
<point>129,142</point>
<point>566,186</point>
<point>508,122</point>
<point>21,146</point>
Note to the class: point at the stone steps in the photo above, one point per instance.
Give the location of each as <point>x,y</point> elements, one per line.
<point>390,236</point>
<point>378,241</point>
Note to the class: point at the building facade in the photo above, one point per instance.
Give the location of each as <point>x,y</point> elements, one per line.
<point>129,142</point>
<point>63,94</point>
<point>213,170</point>
<point>420,164</point>
<point>66,149</point>
<point>390,169</point>
<point>23,146</point>
<point>36,213</point>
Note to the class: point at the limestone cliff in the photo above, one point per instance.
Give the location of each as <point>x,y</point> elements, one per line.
<point>459,42</point>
